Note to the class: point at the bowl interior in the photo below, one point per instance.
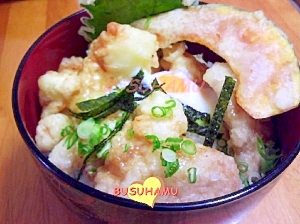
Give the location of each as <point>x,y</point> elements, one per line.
<point>62,40</point>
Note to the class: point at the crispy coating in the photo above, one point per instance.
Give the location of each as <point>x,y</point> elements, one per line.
<point>243,129</point>
<point>145,124</point>
<point>175,58</point>
<point>107,65</point>
<point>56,89</point>
<point>258,52</point>
<point>217,174</point>
<point>112,47</point>
<point>49,129</point>
<point>65,159</point>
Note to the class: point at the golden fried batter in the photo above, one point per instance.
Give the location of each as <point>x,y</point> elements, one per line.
<point>258,52</point>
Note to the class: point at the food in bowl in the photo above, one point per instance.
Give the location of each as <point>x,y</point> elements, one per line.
<point>140,105</point>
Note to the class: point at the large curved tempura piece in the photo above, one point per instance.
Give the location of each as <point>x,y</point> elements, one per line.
<point>257,51</point>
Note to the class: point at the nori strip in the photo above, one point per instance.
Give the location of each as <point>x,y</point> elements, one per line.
<point>219,112</point>
<point>195,128</point>
<point>105,105</point>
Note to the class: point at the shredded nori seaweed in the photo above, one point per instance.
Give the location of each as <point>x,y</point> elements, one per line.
<point>217,119</point>
<point>106,105</point>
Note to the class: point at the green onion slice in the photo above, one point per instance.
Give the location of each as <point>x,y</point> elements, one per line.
<point>156,142</point>
<point>168,155</point>
<point>103,144</point>
<point>130,133</point>
<point>244,180</point>
<point>95,135</point>
<point>84,149</point>
<point>98,133</point>
<point>171,168</point>
<point>269,154</point>
<point>261,148</point>
<point>85,128</point>
<point>173,143</point>
<point>104,151</point>
<point>70,135</point>
<point>169,113</point>
<point>163,112</point>
<point>174,140</point>
<point>104,131</point>
<point>158,112</point>
<point>172,104</point>
<point>127,147</point>
<point>189,147</point>
<point>192,175</point>
<point>243,167</point>
<point>163,162</point>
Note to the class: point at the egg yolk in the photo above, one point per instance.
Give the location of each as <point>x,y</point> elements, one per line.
<point>175,84</point>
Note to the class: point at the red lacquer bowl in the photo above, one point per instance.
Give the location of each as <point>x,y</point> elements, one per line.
<point>45,54</point>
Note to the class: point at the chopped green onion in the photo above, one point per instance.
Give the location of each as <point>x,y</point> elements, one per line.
<point>171,168</point>
<point>104,131</point>
<point>244,180</point>
<point>127,147</point>
<point>269,154</point>
<point>261,147</point>
<point>173,140</point>
<point>169,113</point>
<point>168,151</point>
<point>95,135</point>
<point>104,151</point>
<point>158,112</point>
<point>163,112</point>
<point>85,128</point>
<point>267,165</point>
<point>192,175</point>
<point>84,149</point>
<point>188,147</point>
<point>173,143</point>
<point>111,124</point>
<point>254,177</point>
<point>172,102</point>
<point>156,142</point>
<point>130,133</point>
<point>98,133</point>
<point>67,131</point>
<point>163,162</point>
<point>218,115</point>
<point>168,155</point>
<point>99,147</point>
<point>243,167</point>
<point>70,135</point>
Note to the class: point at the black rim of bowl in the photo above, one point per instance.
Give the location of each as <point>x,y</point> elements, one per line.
<point>118,200</point>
